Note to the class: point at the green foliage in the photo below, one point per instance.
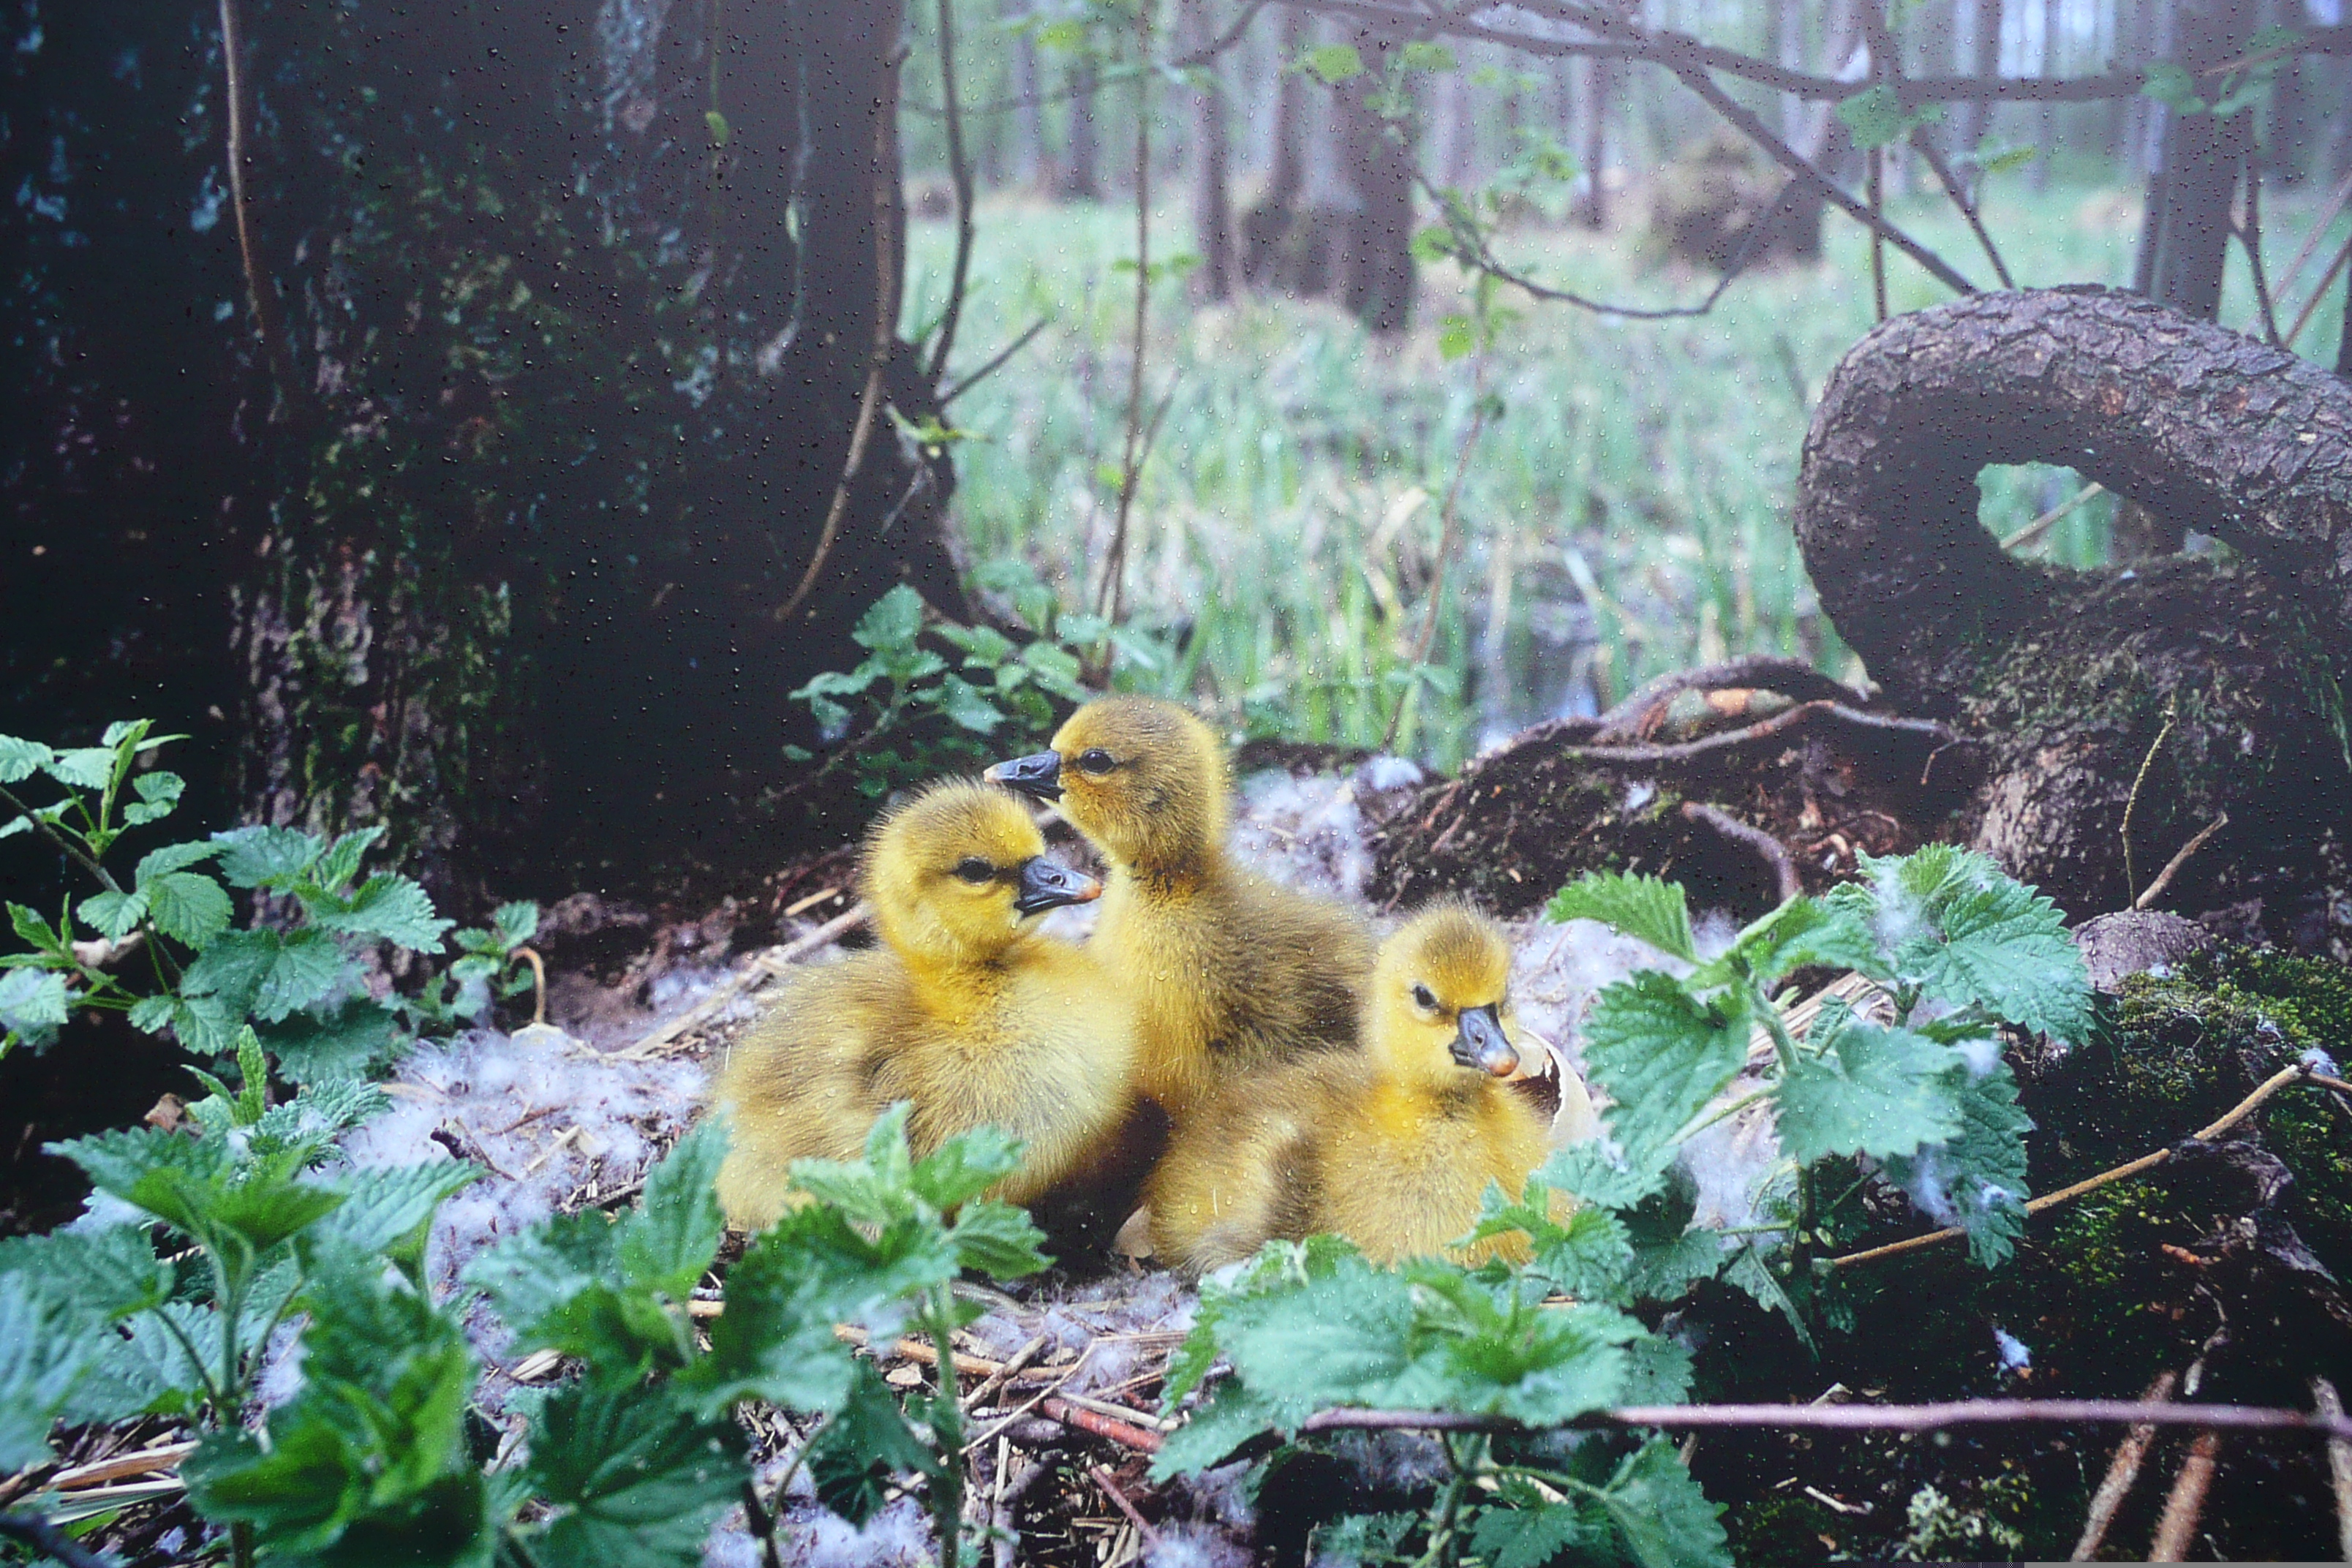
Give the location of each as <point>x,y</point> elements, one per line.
<point>910,711</point>
<point>1876,116</point>
<point>297,974</point>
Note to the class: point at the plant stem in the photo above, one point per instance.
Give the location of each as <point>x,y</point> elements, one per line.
<point>946,1424</point>
<point>1111,601</point>
<point>960,170</point>
<point>75,850</point>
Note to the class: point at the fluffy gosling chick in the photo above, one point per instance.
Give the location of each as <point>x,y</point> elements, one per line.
<point>1231,973</point>
<point>1392,1149</point>
<point>963,1010</point>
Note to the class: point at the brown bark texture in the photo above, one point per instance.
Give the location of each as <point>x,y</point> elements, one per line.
<point>2152,698</point>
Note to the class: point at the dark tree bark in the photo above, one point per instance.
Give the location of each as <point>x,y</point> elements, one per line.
<point>1378,274</point>
<point>1081,172</point>
<point>2185,237</point>
<point>2068,677</point>
<point>1600,83</point>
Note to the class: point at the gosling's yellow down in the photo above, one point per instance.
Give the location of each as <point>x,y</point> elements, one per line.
<point>964,1010</point>
<point>1231,973</point>
<point>1392,1149</point>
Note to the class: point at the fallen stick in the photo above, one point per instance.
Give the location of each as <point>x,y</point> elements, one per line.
<point>1085,1420</point>
<point>146,1461</point>
<point>2339,1462</point>
<point>2185,1504</point>
<point>1933,1417</point>
<point>749,978</point>
<point>2122,1471</point>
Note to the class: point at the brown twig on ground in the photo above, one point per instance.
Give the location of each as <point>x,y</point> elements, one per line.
<point>2185,1504</point>
<point>1003,1375</point>
<point>537,982</point>
<point>2325,1400</point>
<point>1100,1426</point>
<point>2122,1471</point>
<point>2237,1113</point>
<point>1932,1417</point>
<point>161,1458</point>
<point>1006,1500</point>
<point>2172,867</point>
<point>1762,730</point>
<point>749,978</point>
<point>2131,801</point>
<point>1102,1478</point>
<point>1775,853</point>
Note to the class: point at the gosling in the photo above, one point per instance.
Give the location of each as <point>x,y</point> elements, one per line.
<point>1392,1149</point>
<point>965,1011</point>
<point>1231,973</point>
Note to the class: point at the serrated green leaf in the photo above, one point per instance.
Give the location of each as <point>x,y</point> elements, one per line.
<point>1532,1537</point>
<point>670,1238</point>
<point>776,1340</point>
<point>999,1240</point>
<point>33,1005</point>
<point>386,1213</point>
<point>1975,1180</point>
<point>865,1445</point>
<point>966,708</point>
<point>1588,1170</point>
<point>188,908</point>
<point>385,907</point>
<point>1968,933</point>
<point>271,858</point>
<point>516,923</point>
<point>1643,907</point>
<point>1661,1055</point>
<point>1661,1514</point>
<point>1747,1269</point>
<point>103,1274</point>
<point>342,1044</point>
<point>173,858</point>
<point>1670,1255</point>
<point>557,1286</point>
<point>1057,670</point>
<point>113,914</point>
<point>84,767</point>
<point>1806,933</point>
<point>632,1480</point>
<point>1870,1090</point>
<point>964,1166</point>
<point>1232,1417</point>
<point>340,863</point>
<point>893,621</point>
<point>42,1357</point>
<point>20,760</point>
<point>1364,1539</point>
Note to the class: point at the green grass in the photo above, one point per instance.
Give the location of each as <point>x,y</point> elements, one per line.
<point>1630,513</point>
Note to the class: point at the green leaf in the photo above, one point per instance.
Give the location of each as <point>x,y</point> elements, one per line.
<point>964,706</point>
<point>105,1274</point>
<point>1871,1091</point>
<point>340,863</point>
<point>670,1238</point>
<point>271,858</point>
<point>964,1166</point>
<point>776,1340</point>
<point>1749,1271</point>
<point>1433,244</point>
<point>33,1005</point>
<point>558,1287</point>
<point>1586,1256</point>
<point>1670,1255</point>
<point>1968,933</point>
<point>892,622</point>
<point>387,908</point>
<point>866,1443</point>
<point>20,760</point>
<point>2170,82</point>
<point>1806,933</point>
<point>1457,336</point>
<point>1977,1179</point>
<point>1587,1170</point>
<point>999,1240</point>
<point>1661,1054</point>
<point>173,858</point>
<point>1425,55</point>
<point>1661,1515</point>
<point>1332,63</point>
<point>1532,1537</point>
<point>188,907</point>
<point>113,914</point>
<point>1057,670</point>
<point>1876,118</point>
<point>633,1481</point>
<point>516,923</point>
<point>84,767</point>
<point>1231,1417</point>
<point>42,1357</point>
<point>715,124</point>
<point>31,929</point>
<point>387,1213</point>
<point>347,1043</point>
<point>1641,907</point>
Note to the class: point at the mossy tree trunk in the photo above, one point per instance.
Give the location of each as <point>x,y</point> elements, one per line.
<point>2201,688</point>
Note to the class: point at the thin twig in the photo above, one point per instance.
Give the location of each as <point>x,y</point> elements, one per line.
<point>2339,1464</point>
<point>1926,147</point>
<point>1184,62</point>
<point>751,977</point>
<point>2236,1114</point>
<point>1445,539</point>
<point>870,400</point>
<point>2122,1471</point>
<point>1875,182</point>
<point>2172,867</point>
<point>1102,1478</point>
<point>537,982</point>
<point>259,297</point>
<point>997,1379</point>
<point>2319,292</point>
<point>1774,853</point>
<point>960,172</point>
<point>995,362</point>
<point>1932,1417</point>
<point>2250,236</point>
<point>2319,225</point>
<point>2185,1504</point>
<point>1111,601</point>
<point>2041,525</point>
<point>1100,1426</point>
<point>145,1461</point>
<point>2131,801</point>
<point>1762,730</point>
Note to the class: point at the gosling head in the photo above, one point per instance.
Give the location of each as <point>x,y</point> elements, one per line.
<point>955,875</point>
<point>1142,778</point>
<point>1439,1003</point>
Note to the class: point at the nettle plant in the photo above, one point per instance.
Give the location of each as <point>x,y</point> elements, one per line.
<point>909,712</point>
<point>160,942</point>
<point>1921,1101</point>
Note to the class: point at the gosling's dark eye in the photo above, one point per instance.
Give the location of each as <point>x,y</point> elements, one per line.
<point>974,869</point>
<point>1094,760</point>
<point>1424,996</point>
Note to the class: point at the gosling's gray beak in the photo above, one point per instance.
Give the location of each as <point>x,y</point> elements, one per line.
<point>1039,775</point>
<point>1481,1044</point>
<point>1045,885</point>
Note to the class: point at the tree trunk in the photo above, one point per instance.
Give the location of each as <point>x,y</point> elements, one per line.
<point>1980,24</point>
<point>1592,207</point>
<point>2045,134</point>
<point>1082,158</point>
<point>2194,178</point>
<point>1377,278</point>
<point>1029,87</point>
<point>1213,201</point>
<point>2069,678</point>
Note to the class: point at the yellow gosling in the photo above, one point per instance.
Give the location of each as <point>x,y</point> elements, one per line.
<point>963,1010</point>
<point>1392,1149</point>
<point>1231,973</point>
